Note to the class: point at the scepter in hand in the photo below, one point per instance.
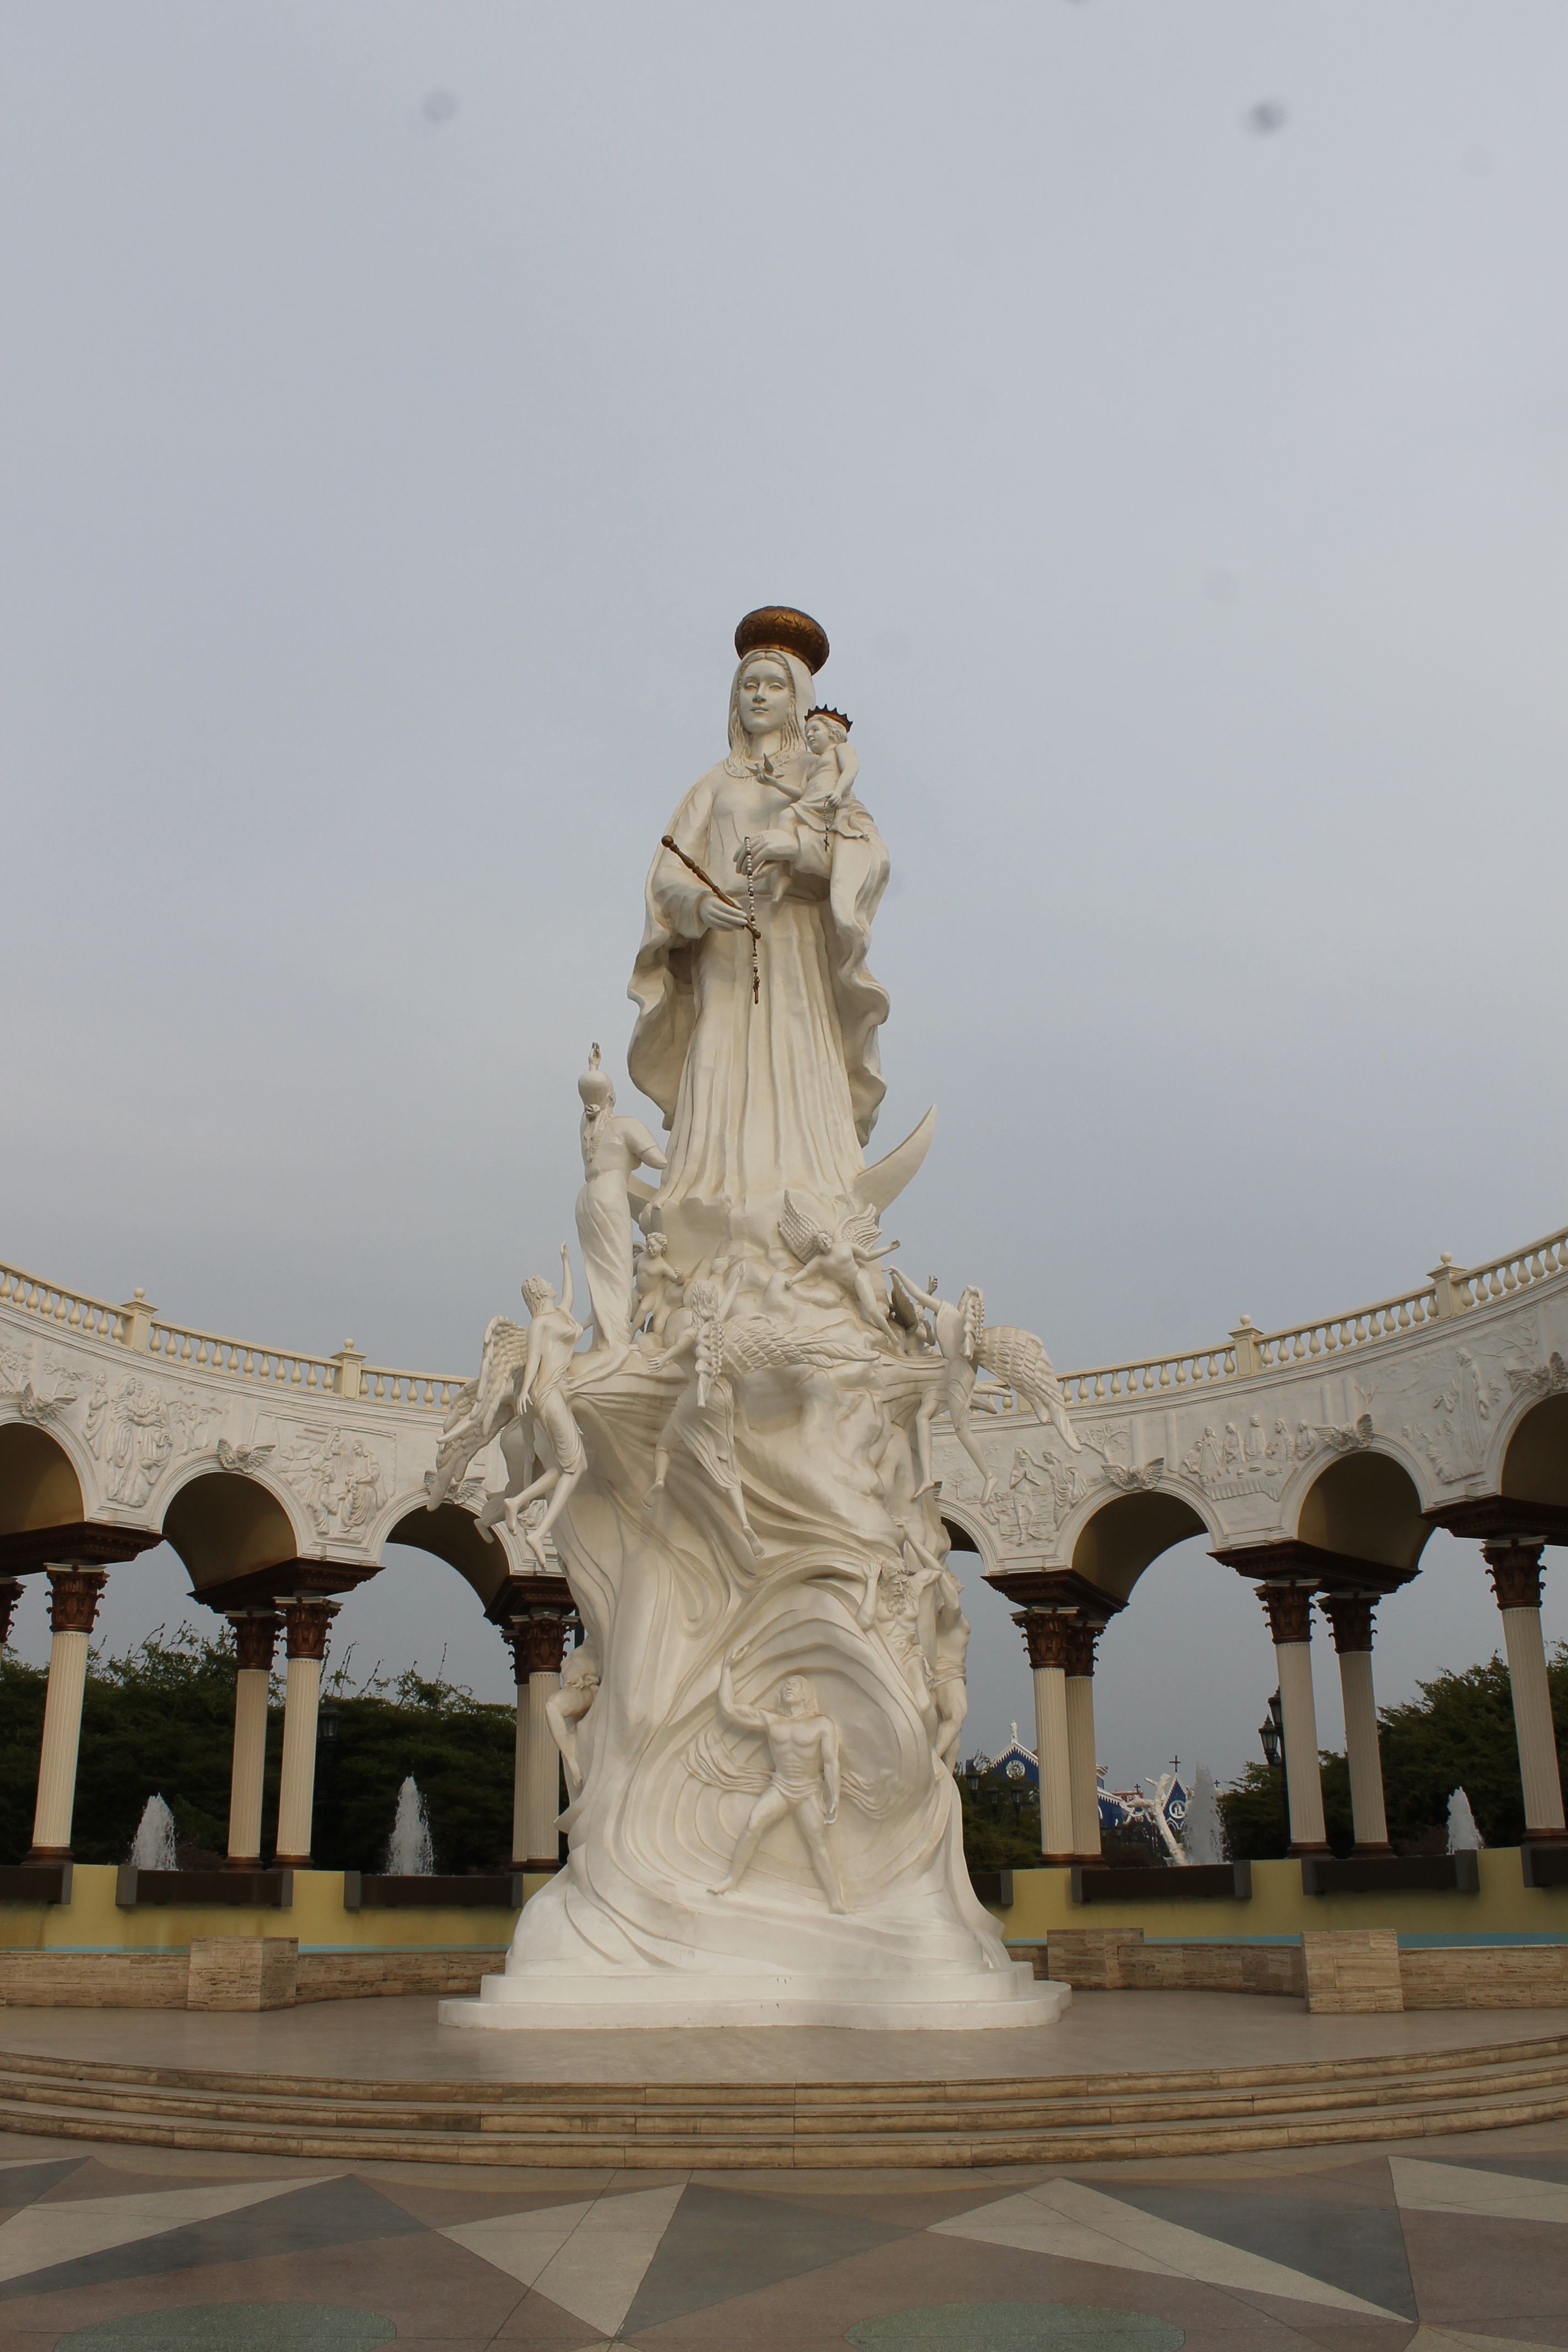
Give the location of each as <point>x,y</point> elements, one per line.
<point>668,841</point>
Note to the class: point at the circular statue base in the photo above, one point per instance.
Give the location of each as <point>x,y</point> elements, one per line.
<point>534,2002</point>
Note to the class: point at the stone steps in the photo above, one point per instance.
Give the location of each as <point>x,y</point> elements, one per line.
<point>674,2126</point>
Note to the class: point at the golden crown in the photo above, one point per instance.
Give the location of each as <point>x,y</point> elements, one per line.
<point>822,712</point>
<point>792,632</point>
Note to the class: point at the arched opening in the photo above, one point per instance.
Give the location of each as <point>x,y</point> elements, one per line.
<point>38,1487</point>
<point>1365,1507</point>
<point>959,1538</point>
<point>453,1535</point>
<point>1117,1544</point>
<point>1535,1467</point>
<point>224,1524</point>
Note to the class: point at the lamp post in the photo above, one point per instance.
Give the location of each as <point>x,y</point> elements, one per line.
<point>1271,1731</point>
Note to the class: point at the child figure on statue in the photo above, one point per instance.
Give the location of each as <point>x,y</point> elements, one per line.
<point>831,779</point>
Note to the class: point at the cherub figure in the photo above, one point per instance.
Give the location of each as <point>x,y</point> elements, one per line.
<point>703,1419</point>
<point>549,1423</point>
<point>843,1257</point>
<point>658,1288</point>
<point>566,1707</point>
<point>803,1748</point>
<point>613,1149</point>
<point>830,778</point>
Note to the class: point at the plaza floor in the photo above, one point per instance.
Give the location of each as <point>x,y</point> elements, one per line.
<point>1446,2241</point>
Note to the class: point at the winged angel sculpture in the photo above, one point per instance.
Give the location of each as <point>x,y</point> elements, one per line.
<point>740,1489</point>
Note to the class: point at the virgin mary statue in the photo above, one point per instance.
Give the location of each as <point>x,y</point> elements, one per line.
<point>769,1080</point>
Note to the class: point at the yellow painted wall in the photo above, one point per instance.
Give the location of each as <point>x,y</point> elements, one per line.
<point>91,1921</point>
<point>1042,1900</point>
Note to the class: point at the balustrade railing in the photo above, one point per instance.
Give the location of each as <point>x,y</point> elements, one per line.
<point>1450,1290</point>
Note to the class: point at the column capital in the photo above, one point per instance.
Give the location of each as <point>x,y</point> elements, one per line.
<point>10,1593</point>
<point>256,1635</point>
<point>1081,1637</point>
<point>1349,1619</point>
<point>74,1596</point>
<point>1047,1636</point>
<point>538,1642</point>
<point>1289,1609</point>
<point>309,1623</point>
<point>1515,1570</point>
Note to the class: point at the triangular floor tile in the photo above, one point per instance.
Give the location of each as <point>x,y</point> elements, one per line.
<point>590,2259</point>
<point>1359,2247</point>
<point>279,2217</point>
<point>1425,2187</point>
<point>1129,2238</point>
<point>20,2183</point>
<point>45,2235</point>
<point>726,2242</point>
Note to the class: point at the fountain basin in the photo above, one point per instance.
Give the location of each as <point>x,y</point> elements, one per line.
<point>424,1890</point>
<point>270,1890</point>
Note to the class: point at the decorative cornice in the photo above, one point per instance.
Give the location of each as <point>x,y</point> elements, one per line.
<point>1502,1519</point>
<point>78,1543</point>
<point>74,1595</point>
<point>517,1595</point>
<point>1058,1590</point>
<point>1287,1559</point>
<point>1515,1572</point>
<point>259,1588</point>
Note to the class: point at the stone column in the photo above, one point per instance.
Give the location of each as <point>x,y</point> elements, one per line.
<point>10,1593</point>
<point>255,1636</point>
<point>1045,1634</point>
<point>307,1622</point>
<point>1350,1616</point>
<point>1515,1572</point>
<point>73,1605</point>
<point>1083,1772</point>
<point>538,1645</point>
<point>1289,1608</point>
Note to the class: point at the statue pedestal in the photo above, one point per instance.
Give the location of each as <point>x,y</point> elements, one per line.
<point>533,2002</point>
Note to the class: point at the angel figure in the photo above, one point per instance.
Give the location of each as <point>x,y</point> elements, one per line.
<point>703,1419</point>
<point>967,1346</point>
<point>658,1288</point>
<point>546,1415</point>
<point>842,1257</point>
<point>566,1707</point>
<point>482,1407</point>
<point>613,1149</point>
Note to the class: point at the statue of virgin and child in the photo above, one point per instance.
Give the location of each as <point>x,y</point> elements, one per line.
<point>750,1467</point>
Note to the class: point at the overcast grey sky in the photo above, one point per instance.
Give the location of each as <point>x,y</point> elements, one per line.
<point>404,402</point>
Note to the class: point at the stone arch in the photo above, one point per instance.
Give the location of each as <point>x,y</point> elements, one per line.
<point>225,1524</point>
<point>1365,1506</point>
<point>1535,1462</point>
<point>39,1487</point>
<point>452,1535</point>
<point>966,1532</point>
<point>1124,1533</point>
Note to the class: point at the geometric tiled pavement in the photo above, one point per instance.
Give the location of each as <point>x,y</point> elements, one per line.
<point>1455,2243</point>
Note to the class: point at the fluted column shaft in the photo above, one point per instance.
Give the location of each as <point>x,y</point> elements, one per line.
<point>1289,1608</point>
<point>538,1645</point>
<point>1083,1770</point>
<point>1515,1570</point>
<point>307,1623</point>
<point>74,1595</point>
<point>1045,1635</point>
<point>255,1636</point>
<point>1350,1617</point>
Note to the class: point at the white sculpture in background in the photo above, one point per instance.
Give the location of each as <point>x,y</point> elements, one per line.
<point>613,1149</point>
<point>739,1472</point>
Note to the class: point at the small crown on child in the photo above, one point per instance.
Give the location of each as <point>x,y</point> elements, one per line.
<point>822,712</point>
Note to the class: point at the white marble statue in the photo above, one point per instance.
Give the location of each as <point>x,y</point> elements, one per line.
<point>545,1423</point>
<point>746,1491</point>
<point>803,1749</point>
<point>613,1149</point>
<point>565,1708</point>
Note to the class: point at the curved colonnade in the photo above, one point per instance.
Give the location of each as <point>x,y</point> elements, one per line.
<point>1315,1460</point>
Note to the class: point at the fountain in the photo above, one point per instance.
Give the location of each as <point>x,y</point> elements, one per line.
<point>1464,1835</point>
<point>153,1846</point>
<point>409,1853</point>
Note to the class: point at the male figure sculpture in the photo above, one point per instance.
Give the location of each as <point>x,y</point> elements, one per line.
<point>566,1707</point>
<point>545,1412</point>
<point>802,1748</point>
<point>612,1149</point>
